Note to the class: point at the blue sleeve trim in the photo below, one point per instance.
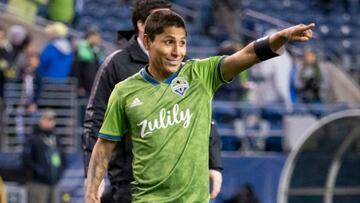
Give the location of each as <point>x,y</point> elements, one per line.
<point>109,137</point>
<point>219,70</point>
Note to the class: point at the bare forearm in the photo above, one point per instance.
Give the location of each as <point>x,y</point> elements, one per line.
<point>279,39</point>
<point>264,49</point>
<point>99,162</point>
<point>247,57</point>
<point>239,61</point>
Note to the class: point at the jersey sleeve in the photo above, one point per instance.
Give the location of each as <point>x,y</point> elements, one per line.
<point>209,72</point>
<point>114,125</point>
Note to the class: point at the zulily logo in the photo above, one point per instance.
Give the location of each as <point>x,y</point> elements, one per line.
<point>166,119</point>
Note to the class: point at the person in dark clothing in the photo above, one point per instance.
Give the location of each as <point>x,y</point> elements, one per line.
<point>7,58</point>
<point>117,67</point>
<point>31,87</point>
<point>88,58</point>
<point>42,156</point>
<point>31,83</point>
<point>311,78</point>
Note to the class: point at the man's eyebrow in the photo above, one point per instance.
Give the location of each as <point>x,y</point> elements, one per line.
<point>172,37</point>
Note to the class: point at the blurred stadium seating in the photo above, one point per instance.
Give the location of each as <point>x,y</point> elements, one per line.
<point>242,125</point>
<point>58,95</point>
<point>337,32</point>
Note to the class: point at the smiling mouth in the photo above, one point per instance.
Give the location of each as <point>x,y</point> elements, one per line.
<point>173,62</point>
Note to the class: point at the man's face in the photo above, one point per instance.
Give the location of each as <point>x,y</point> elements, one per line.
<point>310,58</point>
<point>47,123</point>
<point>33,63</point>
<point>95,39</point>
<point>168,49</point>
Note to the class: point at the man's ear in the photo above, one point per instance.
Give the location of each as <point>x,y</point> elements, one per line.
<point>147,42</point>
<point>141,26</point>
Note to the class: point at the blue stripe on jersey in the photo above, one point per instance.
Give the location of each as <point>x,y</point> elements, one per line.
<point>109,137</point>
<point>172,77</point>
<point>147,77</point>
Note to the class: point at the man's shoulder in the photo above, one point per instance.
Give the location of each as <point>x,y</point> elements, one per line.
<point>120,54</point>
<point>130,82</point>
<point>124,58</point>
<point>205,61</point>
<point>116,60</point>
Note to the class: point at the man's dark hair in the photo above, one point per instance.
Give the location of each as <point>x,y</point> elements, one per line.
<point>159,20</point>
<point>92,31</point>
<point>143,9</point>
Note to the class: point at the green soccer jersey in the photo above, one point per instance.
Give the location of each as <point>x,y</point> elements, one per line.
<point>169,124</point>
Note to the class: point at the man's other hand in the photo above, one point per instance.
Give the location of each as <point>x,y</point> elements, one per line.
<point>100,190</point>
<point>216,181</point>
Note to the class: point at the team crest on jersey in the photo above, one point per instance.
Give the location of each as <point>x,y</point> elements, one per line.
<point>179,86</point>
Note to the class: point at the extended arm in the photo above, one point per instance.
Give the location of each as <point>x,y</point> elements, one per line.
<point>99,162</point>
<point>247,56</point>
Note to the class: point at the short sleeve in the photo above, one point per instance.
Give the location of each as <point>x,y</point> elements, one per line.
<point>209,72</point>
<point>114,125</point>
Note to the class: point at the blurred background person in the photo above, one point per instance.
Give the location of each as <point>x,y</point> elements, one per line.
<point>7,57</point>
<point>56,58</point>
<point>31,83</point>
<point>30,91</point>
<point>43,157</point>
<point>87,60</point>
<point>312,78</point>
<point>21,39</point>
<point>61,11</point>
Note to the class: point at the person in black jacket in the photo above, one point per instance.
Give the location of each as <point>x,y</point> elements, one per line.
<point>88,58</point>
<point>43,158</point>
<point>117,67</point>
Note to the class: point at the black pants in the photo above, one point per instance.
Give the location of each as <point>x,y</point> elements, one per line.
<point>119,193</point>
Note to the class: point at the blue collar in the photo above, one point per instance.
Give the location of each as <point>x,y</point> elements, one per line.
<point>147,77</point>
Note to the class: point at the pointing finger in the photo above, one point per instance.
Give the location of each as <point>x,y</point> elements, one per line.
<point>308,27</point>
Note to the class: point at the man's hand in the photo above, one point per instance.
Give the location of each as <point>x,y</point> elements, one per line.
<point>100,190</point>
<point>91,199</point>
<point>299,33</point>
<point>216,180</point>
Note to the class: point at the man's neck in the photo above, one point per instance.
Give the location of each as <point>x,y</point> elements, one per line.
<point>156,74</point>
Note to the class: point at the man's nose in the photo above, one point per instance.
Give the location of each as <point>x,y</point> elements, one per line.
<point>175,51</point>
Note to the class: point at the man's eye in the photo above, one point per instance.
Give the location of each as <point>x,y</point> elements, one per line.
<point>168,42</point>
<point>182,43</point>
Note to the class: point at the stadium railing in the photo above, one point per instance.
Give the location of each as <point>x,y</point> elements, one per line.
<point>61,96</point>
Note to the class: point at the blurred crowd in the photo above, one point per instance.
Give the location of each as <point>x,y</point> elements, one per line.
<point>60,59</point>
<point>287,79</point>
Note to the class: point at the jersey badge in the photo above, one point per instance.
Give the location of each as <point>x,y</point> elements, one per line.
<point>179,86</point>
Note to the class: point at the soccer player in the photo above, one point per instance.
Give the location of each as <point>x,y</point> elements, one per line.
<point>166,109</point>
<point>117,67</point>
